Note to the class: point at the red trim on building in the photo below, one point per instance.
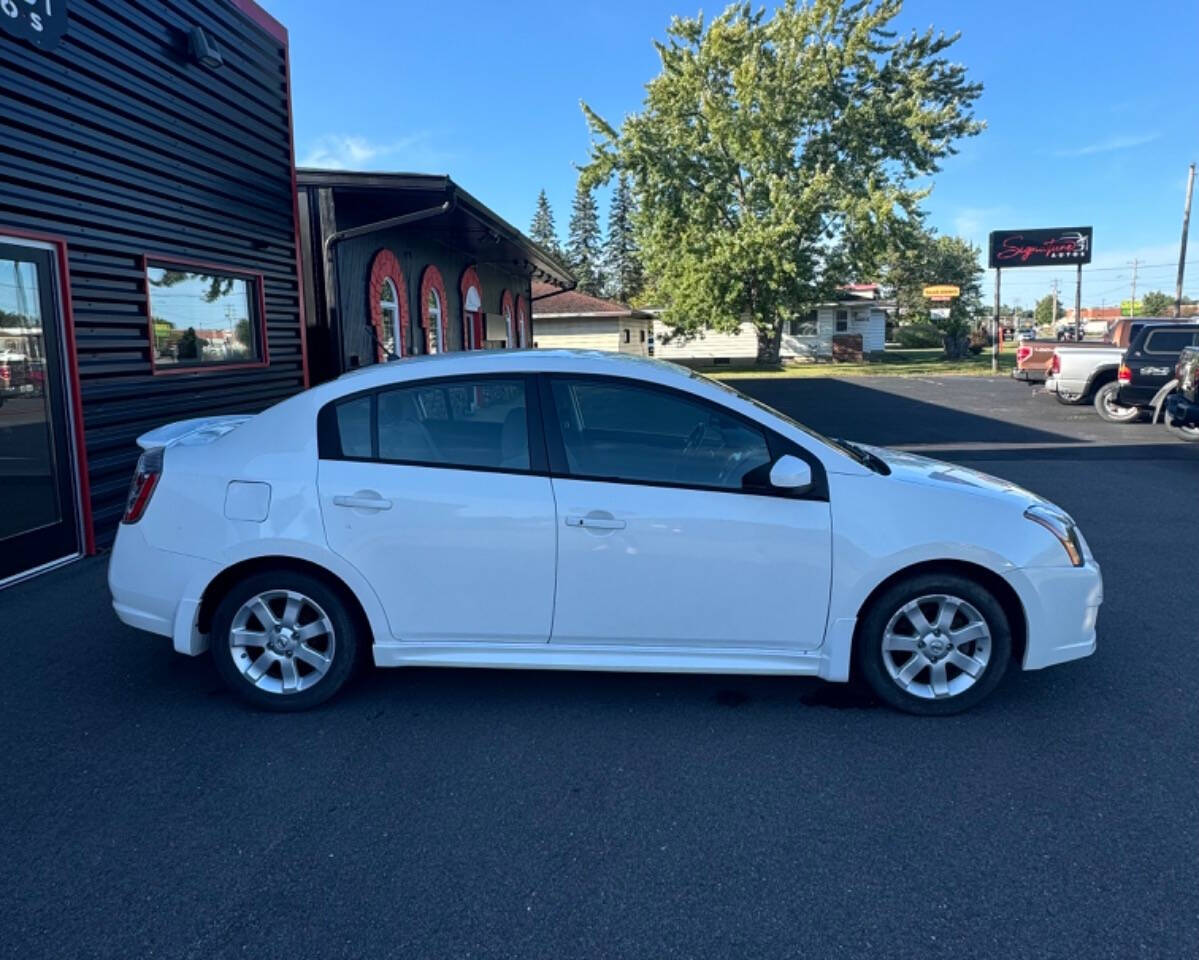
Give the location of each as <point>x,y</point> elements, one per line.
<point>522,321</point>
<point>207,368</point>
<point>508,311</point>
<point>264,20</point>
<point>431,280</point>
<point>473,333</point>
<point>71,356</point>
<point>385,266</point>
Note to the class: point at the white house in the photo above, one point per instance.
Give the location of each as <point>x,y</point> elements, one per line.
<point>583,322</point>
<point>861,311</point>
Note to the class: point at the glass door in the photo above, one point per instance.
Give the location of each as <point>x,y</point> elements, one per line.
<point>38,522</point>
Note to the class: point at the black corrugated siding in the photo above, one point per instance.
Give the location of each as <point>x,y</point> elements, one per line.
<point>117,142</point>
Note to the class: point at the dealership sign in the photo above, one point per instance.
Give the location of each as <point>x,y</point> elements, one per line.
<point>41,22</point>
<point>1067,246</point>
<point>941,291</point>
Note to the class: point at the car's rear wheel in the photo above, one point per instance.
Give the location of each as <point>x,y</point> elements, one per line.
<point>933,644</point>
<point>1109,407</point>
<point>1188,433</point>
<point>284,640</point>
<point>1069,397</point>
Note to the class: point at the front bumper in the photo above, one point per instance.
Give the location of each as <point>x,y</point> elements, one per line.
<point>1181,412</point>
<point>1061,605</point>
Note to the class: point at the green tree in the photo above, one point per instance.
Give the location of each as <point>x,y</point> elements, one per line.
<point>774,158</point>
<point>927,259</point>
<point>1043,312</point>
<point>542,229</point>
<point>584,246</point>
<point>622,256</point>
<point>1157,304</point>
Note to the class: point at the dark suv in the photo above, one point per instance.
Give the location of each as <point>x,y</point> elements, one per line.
<point>1147,367</point>
<point>1182,406</point>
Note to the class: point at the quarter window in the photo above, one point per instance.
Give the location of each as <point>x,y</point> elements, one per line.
<point>202,317</point>
<point>624,432</point>
<point>1169,341</point>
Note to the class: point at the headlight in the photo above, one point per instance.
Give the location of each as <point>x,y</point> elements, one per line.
<point>1061,526</point>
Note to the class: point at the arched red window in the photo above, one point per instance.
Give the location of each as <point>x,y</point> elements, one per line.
<point>433,309</point>
<point>387,296</point>
<point>473,320</point>
<point>508,311</point>
<point>522,321</point>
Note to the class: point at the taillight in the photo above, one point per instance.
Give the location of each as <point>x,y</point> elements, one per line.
<point>1023,353</point>
<point>1125,375</point>
<point>1056,365</point>
<point>145,479</point>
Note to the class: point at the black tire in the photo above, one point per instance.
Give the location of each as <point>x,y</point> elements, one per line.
<point>1070,400</point>
<point>345,640</point>
<point>1189,434</point>
<point>870,658</point>
<point>1109,409</point>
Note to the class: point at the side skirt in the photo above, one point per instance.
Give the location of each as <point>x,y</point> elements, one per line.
<point>633,659</point>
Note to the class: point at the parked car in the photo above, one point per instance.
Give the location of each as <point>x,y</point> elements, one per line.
<point>585,511</point>
<point>1182,407</point>
<point>1143,379</point>
<point>1034,358</point>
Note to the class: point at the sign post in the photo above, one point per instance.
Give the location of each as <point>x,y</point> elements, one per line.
<point>995,327</point>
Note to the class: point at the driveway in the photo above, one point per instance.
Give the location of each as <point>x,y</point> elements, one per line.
<point>441,813</point>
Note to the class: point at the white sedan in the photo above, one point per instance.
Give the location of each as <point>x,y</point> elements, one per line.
<point>585,511</point>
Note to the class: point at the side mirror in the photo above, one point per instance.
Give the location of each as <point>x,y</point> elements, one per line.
<point>790,473</point>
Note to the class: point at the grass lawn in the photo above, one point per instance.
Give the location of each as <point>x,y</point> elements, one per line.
<point>893,363</point>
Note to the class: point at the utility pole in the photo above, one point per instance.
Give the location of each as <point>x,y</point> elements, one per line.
<point>1182,250</point>
<point>1078,304</point>
<point>1054,306</point>
<point>1132,307</point>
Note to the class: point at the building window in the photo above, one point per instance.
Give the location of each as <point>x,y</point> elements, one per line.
<point>204,317</point>
<point>628,337</point>
<point>805,326</point>
<point>842,321</point>
<point>522,322</point>
<point>433,311</point>
<point>388,302</point>
<point>643,336</point>
<point>389,318</point>
<point>473,318</point>
<point>508,312</point>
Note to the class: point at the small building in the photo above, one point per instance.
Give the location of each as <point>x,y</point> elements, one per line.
<point>861,312</point>
<point>398,264</point>
<point>148,258</point>
<point>573,319</point>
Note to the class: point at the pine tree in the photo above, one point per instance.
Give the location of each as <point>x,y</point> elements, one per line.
<point>542,229</point>
<point>622,258</point>
<point>584,246</point>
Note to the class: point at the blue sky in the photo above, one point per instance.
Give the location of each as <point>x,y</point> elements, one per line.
<point>1091,109</point>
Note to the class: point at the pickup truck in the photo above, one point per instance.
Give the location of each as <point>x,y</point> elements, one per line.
<point>1182,406</point>
<point>1034,357</point>
<point>1146,374</point>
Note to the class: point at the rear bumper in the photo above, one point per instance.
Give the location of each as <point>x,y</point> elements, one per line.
<point>1181,412</point>
<point>1029,376</point>
<point>1061,605</point>
<point>153,589</point>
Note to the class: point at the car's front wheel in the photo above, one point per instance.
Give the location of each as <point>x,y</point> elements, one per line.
<point>284,640</point>
<point>933,644</point>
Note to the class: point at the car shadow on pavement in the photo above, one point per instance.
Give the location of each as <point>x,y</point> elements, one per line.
<point>854,411</point>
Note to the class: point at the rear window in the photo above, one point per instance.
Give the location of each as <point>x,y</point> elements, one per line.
<point>1170,341</point>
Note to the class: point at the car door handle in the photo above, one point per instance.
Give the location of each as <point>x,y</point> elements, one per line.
<point>361,502</point>
<point>595,523</point>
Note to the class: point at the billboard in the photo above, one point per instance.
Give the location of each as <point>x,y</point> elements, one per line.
<point>1064,246</point>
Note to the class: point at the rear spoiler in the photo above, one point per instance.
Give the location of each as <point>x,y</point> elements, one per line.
<point>194,432</point>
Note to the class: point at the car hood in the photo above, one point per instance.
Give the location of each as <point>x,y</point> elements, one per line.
<point>913,468</point>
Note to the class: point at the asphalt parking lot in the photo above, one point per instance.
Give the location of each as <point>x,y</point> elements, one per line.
<point>441,813</point>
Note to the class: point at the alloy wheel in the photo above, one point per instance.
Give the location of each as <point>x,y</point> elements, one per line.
<point>936,646</point>
<point>282,641</point>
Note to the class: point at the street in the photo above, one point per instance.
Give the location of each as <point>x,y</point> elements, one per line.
<point>457,813</point>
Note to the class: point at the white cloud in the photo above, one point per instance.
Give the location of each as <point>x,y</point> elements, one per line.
<point>1109,145</point>
<point>340,151</point>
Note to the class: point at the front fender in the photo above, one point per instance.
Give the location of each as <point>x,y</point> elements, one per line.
<point>1159,398</point>
<point>186,636</point>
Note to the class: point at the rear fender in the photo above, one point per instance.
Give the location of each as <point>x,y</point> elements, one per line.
<point>1159,398</point>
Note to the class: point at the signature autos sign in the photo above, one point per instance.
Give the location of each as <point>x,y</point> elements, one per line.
<point>1040,248</point>
<point>41,22</point>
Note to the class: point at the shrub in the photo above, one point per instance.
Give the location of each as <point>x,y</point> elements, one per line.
<point>913,335</point>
